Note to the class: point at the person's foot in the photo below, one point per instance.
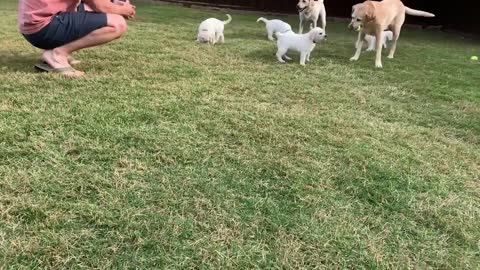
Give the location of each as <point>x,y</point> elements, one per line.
<point>59,61</point>
<point>72,61</point>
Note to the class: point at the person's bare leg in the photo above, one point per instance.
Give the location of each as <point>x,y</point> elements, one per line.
<point>58,57</point>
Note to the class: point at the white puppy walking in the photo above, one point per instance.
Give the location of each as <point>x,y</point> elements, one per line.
<point>371,41</point>
<point>211,30</point>
<point>275,26</point>
<point>302,43</point>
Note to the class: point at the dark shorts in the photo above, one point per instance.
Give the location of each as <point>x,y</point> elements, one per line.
<point>66,27</point>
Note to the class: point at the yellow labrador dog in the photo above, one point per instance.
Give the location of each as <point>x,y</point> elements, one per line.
<point>310,11</point>
<point>372,18</point>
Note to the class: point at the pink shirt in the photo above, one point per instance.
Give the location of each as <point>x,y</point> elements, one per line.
<point>33,15</point>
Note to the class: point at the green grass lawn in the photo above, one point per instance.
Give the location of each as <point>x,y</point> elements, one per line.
<point>170,154</point>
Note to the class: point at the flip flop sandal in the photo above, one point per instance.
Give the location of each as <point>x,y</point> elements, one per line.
<point>44,67</point>
<point>72,61</point>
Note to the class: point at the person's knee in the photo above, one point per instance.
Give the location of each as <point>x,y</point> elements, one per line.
<point>121,25</point>
<point>118,23</point>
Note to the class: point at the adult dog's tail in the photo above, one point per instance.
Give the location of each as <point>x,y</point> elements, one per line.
<point>414,12</point>
<point>261,19</point>
<point>228,20</point>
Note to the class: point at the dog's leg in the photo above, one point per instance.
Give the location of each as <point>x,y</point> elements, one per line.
<point>397,28</point>
<point>308,56</point>
<point>270,35</point>
<point>280,53</point>
<point>222,38</point>
<point>371,45</point>
<point>218,37</point>
<point>394,47</point>
<point>303,58</point>
<point>384,40</point>
<point>286,57</point>
<point>300,27</point>
<point>396,35</point>
<point>378,58</point>
<point>361,37</point>
<point>214,39</point>
<point>323,16</point>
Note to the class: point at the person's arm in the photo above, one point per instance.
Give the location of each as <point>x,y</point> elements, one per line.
<point>106,6</point>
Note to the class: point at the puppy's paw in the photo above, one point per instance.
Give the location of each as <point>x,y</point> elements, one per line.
<point>287,58</point>
<point>390,56</point>
<point>354,58</point>
<point>378,65</point>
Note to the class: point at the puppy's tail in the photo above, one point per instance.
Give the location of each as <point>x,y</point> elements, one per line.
<point>261,19</point>
<point>228,20</point>
<point>414,12</point>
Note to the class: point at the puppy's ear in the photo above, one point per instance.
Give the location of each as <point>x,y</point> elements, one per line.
<point>312,35</point>
<point>369,11</point>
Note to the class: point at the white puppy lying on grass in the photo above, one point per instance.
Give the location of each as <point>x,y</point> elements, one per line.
<point>211,30</point>
<point>302,43</point>
<point>371,40</point>
<point>275,26</point>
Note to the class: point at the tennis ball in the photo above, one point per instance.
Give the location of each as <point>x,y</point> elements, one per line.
<point>359,28</point>
<point>474,58</point>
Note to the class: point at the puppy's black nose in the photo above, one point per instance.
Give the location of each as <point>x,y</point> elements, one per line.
<point>325,35</point>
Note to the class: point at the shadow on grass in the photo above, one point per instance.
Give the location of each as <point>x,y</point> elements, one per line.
<point>263,55</point>
<point>18,63</point>
<point>268,55</point>
<point>246,35</point>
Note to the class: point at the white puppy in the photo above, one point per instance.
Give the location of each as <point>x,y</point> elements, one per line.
<point>371,40</point>
<point>211,30</point>
<point>275,26</point>
<point>302,43</point>
<point>310,11</point>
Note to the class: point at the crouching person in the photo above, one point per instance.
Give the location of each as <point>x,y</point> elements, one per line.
<point>57,27</point>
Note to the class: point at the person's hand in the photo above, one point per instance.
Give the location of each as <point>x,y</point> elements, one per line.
<point>128,10</point>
